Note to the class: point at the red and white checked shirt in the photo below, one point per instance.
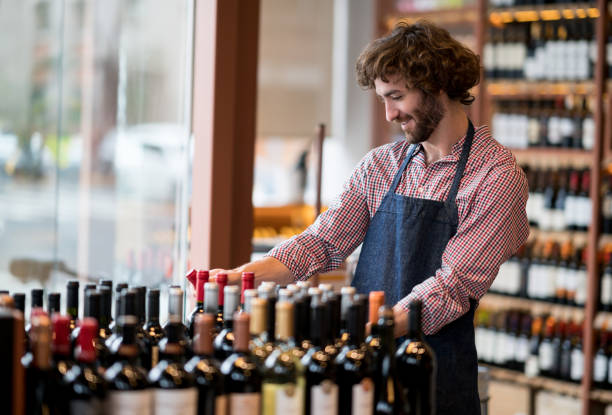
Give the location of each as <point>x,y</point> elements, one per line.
<point>492,221</point>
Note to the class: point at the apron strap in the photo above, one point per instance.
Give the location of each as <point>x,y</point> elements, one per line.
<point>402,168</point>
<point>467,145</point>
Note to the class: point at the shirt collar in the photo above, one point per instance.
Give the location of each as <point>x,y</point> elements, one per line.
<point>454,155</point>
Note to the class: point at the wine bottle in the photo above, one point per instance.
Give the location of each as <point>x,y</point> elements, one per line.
<point>205,368</point>
<point>211,303</point>
<point>532,367</point>
<point>113,343</point>
<point>85,387</point>
<point>62,360</point>
<point>332,302</point>
<point>283,381</point>
<point>545,351</point>
<point>376,300</point>
<point>12,393</point>
<point>53,303</point>
<point>106,303</point>
<point>321,391</point>
<point>128,388</point>
<point>577,357</point>
<point>201,279</point>
<point>601,360</point>
<point>416,368</point>
<point>354,366</point>
<point>347,294</point>
<point>267,292</point>
<point>36,302</point>
<point>224,342</point>
<point>175,309</point>
<point>285,295</point>
<point>248,296</point>
<point>72,302</point>
<point>19,299</point>
<point>174,389</point>
<point>152,328</point>
<point>385,384</point>
<point>261,344</point>
<point>248,283</point>
<point>39,380</point>
<point>301,316</point>
<point>117,313</point>
<point>242,380</point>
<point>221,280</point>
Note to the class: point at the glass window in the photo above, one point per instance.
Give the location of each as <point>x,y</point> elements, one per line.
<point>94,142</point>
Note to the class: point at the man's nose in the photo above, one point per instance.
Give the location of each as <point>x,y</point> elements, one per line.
<point>391,112</point>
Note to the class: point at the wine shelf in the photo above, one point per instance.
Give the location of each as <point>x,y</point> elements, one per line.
<point>495,300</point>
<point>511,89</point>
<point>573,156</point>
<point>534,13</point>
<point>537,382</point>
<point>446,16</point>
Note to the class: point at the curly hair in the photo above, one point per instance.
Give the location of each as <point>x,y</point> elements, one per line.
<point>425,56</point>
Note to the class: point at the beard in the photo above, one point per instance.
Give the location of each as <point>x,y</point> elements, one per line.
<point>427,118</point>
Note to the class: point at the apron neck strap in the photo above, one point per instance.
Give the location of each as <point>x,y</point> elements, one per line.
<point>398,175</point>
<point>465,152</point>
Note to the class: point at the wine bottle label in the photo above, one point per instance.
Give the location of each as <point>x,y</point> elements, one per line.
<point>175,401</point>
<point>221,405</point>
<point>92,406</point>
<point>545,356</point>
<point>522,350</point>
<point>606,208</point>
<point>324,399</point>
<point>577,364</point>
<point>282,399</point>
<point>154,355</point>
<point>500,355</point>
<point>581,292</point>
<point>244,403</point>
<point>610,371</point>
<point>363,398</point>
<point>509,347</point>
<point>531,366</point>
<point>606,289</point>
<point>130,402</point>
<point>600,366</point>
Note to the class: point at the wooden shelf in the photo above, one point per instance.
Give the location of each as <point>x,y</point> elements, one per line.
<point>446,16</point>
<point>532,13</point>
<point>493,300</point>
<point>602,395</point>
<point>512,89</point>
<point>538,382</point>
<point>549,155</point>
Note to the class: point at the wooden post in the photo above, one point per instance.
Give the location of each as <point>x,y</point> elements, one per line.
<point>319,148</point>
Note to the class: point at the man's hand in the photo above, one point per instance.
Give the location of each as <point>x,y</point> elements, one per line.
<point>400,317</point>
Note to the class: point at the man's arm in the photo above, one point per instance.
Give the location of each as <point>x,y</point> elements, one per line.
<point>493,229</point>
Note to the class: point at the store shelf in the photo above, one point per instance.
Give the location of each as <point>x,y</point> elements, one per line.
<point>494,300</point>
<point>602,395</point>
<point>446,16</point>
<point>546,12</point>
<point>535,155</point>
<point>538,382</point>
<point>513,89</point>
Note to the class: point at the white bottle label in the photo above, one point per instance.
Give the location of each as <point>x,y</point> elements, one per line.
<point>324,399</point>
<point>600,365</point>
<point>175,401</point>
<point>130,402</point>
<point>244,403</point>
<point>546,356</point>
<point>363,397</point>
<point>522,350</point>
<point>577,359</point>
<point>531,366</point>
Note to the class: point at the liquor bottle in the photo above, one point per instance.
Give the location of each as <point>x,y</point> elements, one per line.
<point>283,381</point>
<point>175,309</point>
<point>106,303</point>
<point>201,279</point>
<point>141,295</point>
<point>545,351</point>
<point>53,303</point>
<point>248,283</point>
<point>557,343</point>
<point>321,390</point>
<point>571,201</point>
<point>211,303</point>
<point>354,367</point>
<point>332,326</point>
<point>583,202</point>
<point>562,273</point>
<point>39,380</point>
<point>376,300</point>
<point>521,351</point>
<point>511,338</point>
<point>224,342</point>
<point>117,312</point>
<point>242,380</point>
<point>174,389</point>
<point>36,302</point>
<point>62,360</point>
<point>602,360</point>
<point>205,368</point>
<point>152,328</point>
<point>248,297</point>
<point>114,342</point>
<point>12,375</point>
<point>261,345</point>
<point>93,308</point>
<point>72,302</point>
<point>85,387</point>
<point>385,374</point>
<point>19,299</point>
<point>285,295</point>
<point>577,357</point>
<point>301,322</point>
<point>567,347</point>
<point>221,280</point>
<point>532,367</point>
<point>268,293</point>
<point>128,388</point>
<point>346,301</point>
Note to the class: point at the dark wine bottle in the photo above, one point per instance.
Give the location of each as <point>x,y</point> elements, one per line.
<point>211,303</point>
<point>283,381</point>
<point>354,366</point>
<point>321,391</point>
<point>346,301</point>
<point>128,388</point>
<point>224,342</point>
<point>248,283</point>
<point>19,299</point>
<point>36,302</point>
<point>72,302</point>
<point>221,280</point>
<point>39,379</point>
<point>201,279</point>
<point>205,368</point>
<point>174,388</point>
<point>152,328</point>
<point>53,303</point>
<point>242,380</point>
<point>118,290</point>
<point>416,368</point>
<point>385,374</point>
<point>85,387</point>
<point>62,360</point>
<point>261,345</point>
<point>106,303</point>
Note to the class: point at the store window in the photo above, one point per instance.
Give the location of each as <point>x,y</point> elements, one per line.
<point>94,142</point>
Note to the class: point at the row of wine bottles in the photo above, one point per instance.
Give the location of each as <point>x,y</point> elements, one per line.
<point>543,345</point>
<point>544,123</point>
<point>294,350</point>
<point>514,3</point>
<point>560,50</point>
<point>559,199</point>
<point>547,271</point>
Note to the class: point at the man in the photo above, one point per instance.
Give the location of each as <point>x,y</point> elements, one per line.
<point>437,213</point>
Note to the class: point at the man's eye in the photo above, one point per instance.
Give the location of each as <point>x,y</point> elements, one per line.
<point>396,97</point>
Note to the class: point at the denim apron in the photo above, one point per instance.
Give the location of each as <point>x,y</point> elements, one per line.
<point>403,247</point>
